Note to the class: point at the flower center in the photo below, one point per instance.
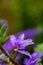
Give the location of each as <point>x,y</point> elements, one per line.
<point>16,49</point>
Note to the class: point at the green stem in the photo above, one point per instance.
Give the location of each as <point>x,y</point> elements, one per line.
<point>11,59</point>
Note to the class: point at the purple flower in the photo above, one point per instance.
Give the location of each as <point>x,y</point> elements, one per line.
<point>30,33</point>
<point>18,44</point>
<point>35,58</point>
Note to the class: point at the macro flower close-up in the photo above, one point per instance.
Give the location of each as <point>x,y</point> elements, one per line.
<point>21,32</point>
<point>14,47</point>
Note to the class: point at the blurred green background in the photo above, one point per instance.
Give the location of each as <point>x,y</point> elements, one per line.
<point>22,14</point>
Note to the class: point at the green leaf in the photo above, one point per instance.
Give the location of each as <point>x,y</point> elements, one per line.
<point>4,39</point>
<point>39,64</point>
<point>6,59</point>
<point>39,48</point>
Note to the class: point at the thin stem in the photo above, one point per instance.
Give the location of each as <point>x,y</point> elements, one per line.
<point>11,59</point>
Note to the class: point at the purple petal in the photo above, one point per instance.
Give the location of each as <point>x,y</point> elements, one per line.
<point>30,33</point>
<point>35,58</point>
<point>1,60</point>
<point>21,47</point>
<point>25,43</point>
<point>8,46</point>
<point>37,55</point>
<point>24,52</point>
<point>27,40</point>
<point>13,39</point>
<point>26,61</point>
<point>18,57</point>
<point>35,61</point>
<point>21,37</point>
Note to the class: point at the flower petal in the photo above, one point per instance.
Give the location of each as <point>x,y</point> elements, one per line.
<point>27,40</point>
<point>21,37</point>
<point>24,52</point>
<point>18,57</point>
<point>8,46</point>
<point>13,39</point>
<point>26,62</point>
<point>37,55</point>
<point>35,58</point>
<point>30,33</point>
<point>26,43</point>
